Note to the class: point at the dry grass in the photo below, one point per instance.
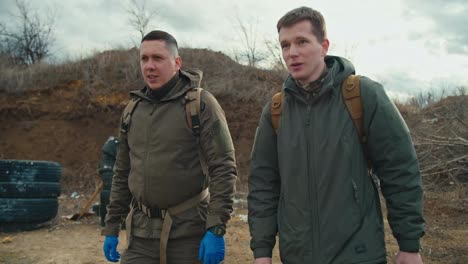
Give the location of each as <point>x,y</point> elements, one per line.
<point>440,134</point>
<point>119,70</point>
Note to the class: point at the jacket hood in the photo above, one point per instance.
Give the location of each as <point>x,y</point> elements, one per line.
<point>195,76</point>
<point>187,80</point>
<point>338,70</point>
<point>339,67</point>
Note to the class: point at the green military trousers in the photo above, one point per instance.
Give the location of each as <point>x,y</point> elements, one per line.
<point>146,251</point>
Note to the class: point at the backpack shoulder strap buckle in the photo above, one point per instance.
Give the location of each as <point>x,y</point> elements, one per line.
<point>276,109</point>
<point>127,115</point>
<point>192,109</point>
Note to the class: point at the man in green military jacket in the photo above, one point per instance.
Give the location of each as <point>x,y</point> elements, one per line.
<point>174,186</point>
<point>309,180</point>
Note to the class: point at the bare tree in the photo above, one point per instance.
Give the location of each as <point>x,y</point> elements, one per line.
<point>461,90</point>
<point>30,40</point>
<point>140,15</point>
<point>249,36</point>
<point>276,54</point>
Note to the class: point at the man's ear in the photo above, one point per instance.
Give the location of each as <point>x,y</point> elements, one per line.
<point>178,62</point>
<point>325,46</point>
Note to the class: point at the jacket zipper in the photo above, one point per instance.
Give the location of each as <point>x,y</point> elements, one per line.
<point>308,115</point>
<point>148,129</point>
<point>312,181</point>
<point>315,211</point>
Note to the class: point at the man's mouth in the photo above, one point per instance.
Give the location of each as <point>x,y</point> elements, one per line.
<point>296,65</point>
<point>151,78</point>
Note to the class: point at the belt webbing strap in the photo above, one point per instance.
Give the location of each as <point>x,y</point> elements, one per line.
<point>167,222</point>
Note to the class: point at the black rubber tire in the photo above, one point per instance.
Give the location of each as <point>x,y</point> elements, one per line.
<point>17,227</point>
<point>27,210</point>
<point>29,171</point>
<point>29,190</point>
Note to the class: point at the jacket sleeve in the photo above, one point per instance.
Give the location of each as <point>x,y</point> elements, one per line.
<point>394,161</point>
<point>218,152</point>
<point>264,188</point>
<point>120,196</point>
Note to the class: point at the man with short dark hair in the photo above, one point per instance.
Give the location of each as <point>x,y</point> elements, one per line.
<point>309,180</point>
<point>175,173</point>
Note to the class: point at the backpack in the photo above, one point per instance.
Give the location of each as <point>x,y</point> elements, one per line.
<point>192,110</point>
<point>192,103</point>
<point>351,91</point>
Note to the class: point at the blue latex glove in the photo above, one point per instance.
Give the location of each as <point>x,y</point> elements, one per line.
<point>212,249</point>
<point>110,248</point>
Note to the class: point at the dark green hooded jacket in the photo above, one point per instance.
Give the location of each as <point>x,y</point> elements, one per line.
<point>309,182</point>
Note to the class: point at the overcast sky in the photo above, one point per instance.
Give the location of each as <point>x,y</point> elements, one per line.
<point>408,45</point>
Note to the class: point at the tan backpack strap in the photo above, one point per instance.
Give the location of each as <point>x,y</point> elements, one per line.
<point>167,222</point>
<point>127,116</point>
<point>352,99</point>
<point>192,109</point>
<point>276,109</point>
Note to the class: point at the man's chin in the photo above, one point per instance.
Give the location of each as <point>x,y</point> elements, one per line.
<point>297,76</point>
<point>154,86</point>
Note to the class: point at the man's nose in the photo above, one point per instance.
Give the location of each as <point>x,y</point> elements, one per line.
<point>293,51</point>
<point>149,65</point>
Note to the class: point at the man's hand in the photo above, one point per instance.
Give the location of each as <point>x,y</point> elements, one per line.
<point>110,248</point>
<point>212,249</point>
<point>262,261</point>
<point>408,258</point>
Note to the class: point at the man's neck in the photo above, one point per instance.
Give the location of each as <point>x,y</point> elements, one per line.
<point>159,93</point>
<point>316,84</point>
<point>317,75</point>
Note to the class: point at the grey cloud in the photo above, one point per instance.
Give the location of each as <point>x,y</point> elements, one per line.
<point>449,21</point>
<point>6,7</point>
<point>111,7</point>
<point>455,46</point>
<point>185,17</point>
<point>401,82</point>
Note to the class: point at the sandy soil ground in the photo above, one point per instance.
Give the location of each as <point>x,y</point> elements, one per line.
<point>63,241</point>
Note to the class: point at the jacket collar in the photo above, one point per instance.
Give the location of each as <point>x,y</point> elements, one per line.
<point>338,69</point>
<point>158,94</point>
<point>187,80</point>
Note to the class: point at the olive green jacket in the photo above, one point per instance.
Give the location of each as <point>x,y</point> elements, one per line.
<point>309,182</point>
<point>158,164</point>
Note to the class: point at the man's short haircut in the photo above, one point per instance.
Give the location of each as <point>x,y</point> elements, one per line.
<point>171,42</point>
<point>302,13</point>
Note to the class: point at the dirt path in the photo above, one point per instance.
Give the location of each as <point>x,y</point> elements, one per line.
<point>80,242</point>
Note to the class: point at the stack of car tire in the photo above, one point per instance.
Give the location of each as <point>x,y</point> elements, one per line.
<point>28,193</point>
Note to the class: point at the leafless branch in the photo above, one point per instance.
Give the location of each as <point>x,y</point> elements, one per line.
<point>249,36</point>
<point>30,41</point>
<point>139,15</point>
